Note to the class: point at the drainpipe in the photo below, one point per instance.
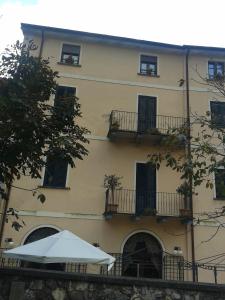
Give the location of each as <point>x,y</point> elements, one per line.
<point>42,43</point>
<point>188,149</point>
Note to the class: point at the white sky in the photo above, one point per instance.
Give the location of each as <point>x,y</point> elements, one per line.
<point>199,22</point>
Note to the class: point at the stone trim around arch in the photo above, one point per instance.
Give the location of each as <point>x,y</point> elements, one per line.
<point>141,231</point>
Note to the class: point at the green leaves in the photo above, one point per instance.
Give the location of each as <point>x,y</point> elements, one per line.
<point>31,127</point>
<point>112,182</point>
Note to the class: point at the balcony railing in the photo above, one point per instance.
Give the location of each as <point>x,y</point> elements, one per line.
<point>122,122</point>
<point>131,202</point>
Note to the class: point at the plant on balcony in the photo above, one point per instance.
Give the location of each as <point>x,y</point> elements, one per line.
<point>148,211</point>
<point>153,131</point>
<point>111,183</point>
<point>185,213</point>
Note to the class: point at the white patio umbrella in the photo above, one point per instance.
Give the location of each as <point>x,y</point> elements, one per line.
<point>62,247</point>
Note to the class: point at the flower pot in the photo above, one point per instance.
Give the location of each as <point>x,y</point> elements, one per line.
<point>185,213</point>
<point>112,208</point>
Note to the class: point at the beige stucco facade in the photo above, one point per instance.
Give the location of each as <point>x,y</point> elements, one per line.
<point>107,79</point>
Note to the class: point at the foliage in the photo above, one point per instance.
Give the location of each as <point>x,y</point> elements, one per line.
<point>31,128</point>
<point>112,182</point>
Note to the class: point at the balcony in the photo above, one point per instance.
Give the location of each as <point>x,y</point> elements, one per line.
<point>131,125</point>
<point>144,203</point>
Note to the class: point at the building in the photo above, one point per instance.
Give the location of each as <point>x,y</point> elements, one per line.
<point>121,83</point>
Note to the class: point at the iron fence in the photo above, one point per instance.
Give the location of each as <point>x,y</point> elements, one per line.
<point>124,201</point>
<point>123,121</point>
<point>171,267</point>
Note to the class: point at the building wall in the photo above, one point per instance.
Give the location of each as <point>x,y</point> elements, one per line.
<point>108,80</point>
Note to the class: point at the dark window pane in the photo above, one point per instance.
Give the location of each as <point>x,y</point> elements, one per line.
<point>55,172</point>
<point>218,113</point>
<point>64,100</point>
<point>39,234</point>
<point>148,65</point>
<point>220,183</point>
<point>71,49</point>
<point>70,54</point>
<point>148,59</point>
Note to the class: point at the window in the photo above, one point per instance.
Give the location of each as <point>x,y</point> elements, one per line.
<point>64,100</point>
<point>55,173</point>
<point>148,65</point>
<point>220,183</point>
<point>218,113</point>
<point>215,69</point>
<point>70,54</point>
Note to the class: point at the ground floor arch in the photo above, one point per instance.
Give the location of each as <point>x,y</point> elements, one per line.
<point>35,235</point>
<point>40,233</point>
<point>142,256</point>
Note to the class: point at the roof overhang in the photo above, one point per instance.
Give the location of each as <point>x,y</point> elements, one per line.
<point>120,41</point>
<point>99,38</point>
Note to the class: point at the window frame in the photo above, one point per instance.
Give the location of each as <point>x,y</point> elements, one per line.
<point>53,186</point>
<point>217,197</point>
<point>215,63</point>
<point>72,87</point>
<point>61,53</point>
<point>140,64</point>
<point>210,109</point>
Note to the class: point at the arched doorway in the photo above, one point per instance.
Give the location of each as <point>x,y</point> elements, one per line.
<point>142,256</point>
<point>38,234</point>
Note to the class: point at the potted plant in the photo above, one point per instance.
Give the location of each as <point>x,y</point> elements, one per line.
<point>185,213</point>
<point>153,131</point>
<point>148,211</point>
<point>111,183</point>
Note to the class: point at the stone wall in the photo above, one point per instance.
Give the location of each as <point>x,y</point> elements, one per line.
<point>24,284</point>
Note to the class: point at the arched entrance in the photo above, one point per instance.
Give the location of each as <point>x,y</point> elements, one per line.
<point>37,234</point>
<point>142,256</point>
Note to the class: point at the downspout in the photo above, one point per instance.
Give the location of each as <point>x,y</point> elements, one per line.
<point>189,159</point>
<point>42,43</point>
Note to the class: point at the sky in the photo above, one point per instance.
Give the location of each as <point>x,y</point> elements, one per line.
<point>194,22</point>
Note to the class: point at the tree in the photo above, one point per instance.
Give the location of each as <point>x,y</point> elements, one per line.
<point>205,136</point>
<point>31,128</point>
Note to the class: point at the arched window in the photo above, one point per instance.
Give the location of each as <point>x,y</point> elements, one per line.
<point>142,256</point>
<point>39,234</point>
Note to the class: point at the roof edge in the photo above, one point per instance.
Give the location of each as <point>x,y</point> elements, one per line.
<point>119,39</point>
<point>26,26</point>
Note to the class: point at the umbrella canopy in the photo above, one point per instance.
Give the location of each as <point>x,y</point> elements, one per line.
<point>62,247</point>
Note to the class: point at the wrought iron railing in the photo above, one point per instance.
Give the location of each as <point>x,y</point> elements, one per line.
<point>124,201</point>
<point>122,121</point>
<point>171,267</point>
<point>17,263</point>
